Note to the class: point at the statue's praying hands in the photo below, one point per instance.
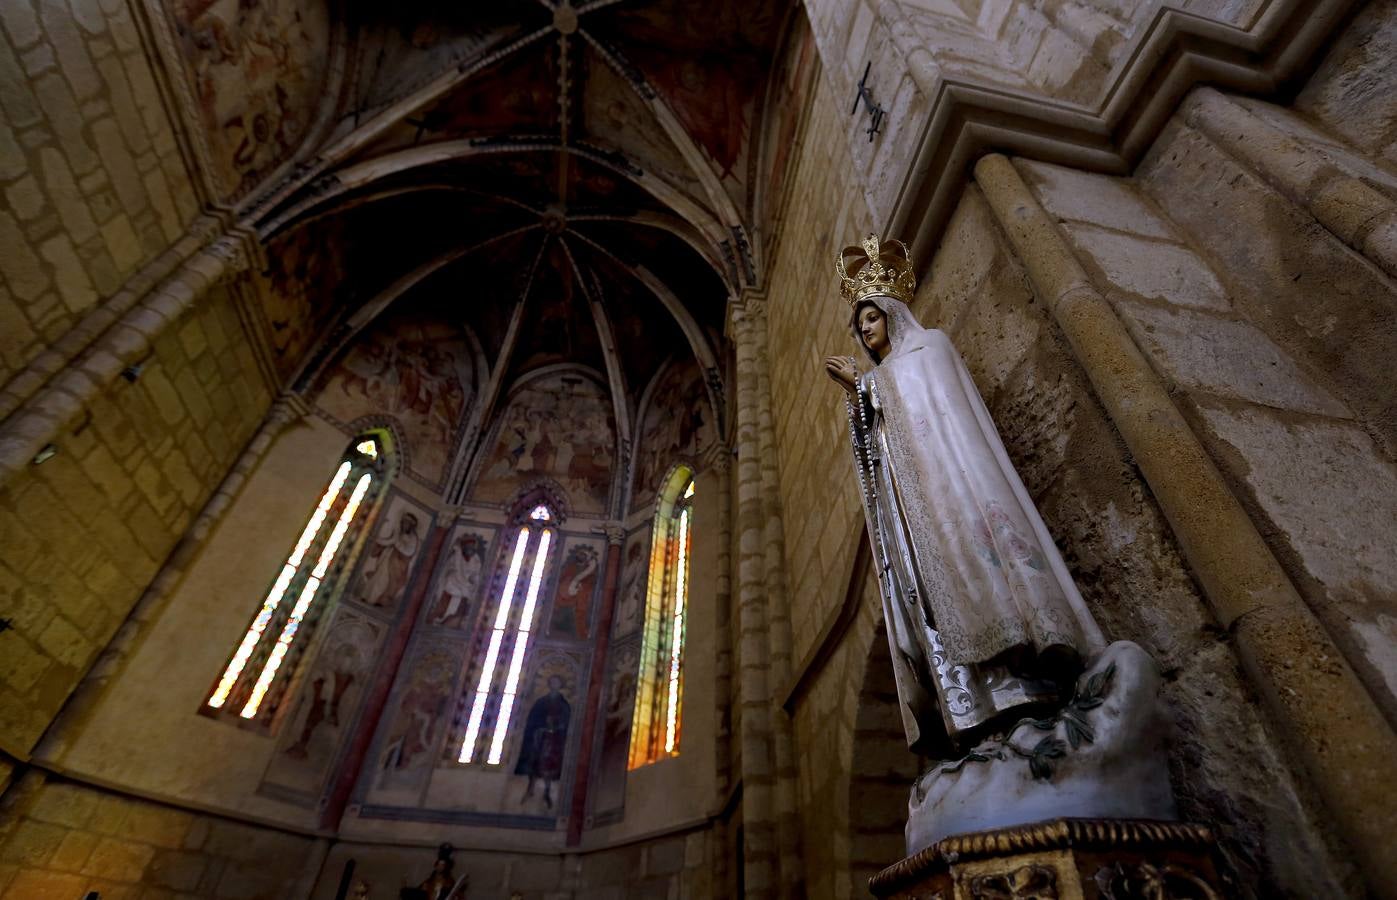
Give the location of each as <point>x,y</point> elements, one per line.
<point>843,371</point>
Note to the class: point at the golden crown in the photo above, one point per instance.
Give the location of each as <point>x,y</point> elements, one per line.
<point>876,267</point>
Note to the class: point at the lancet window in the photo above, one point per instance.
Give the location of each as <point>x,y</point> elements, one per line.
<point>658,721</point>
<point>255,677</point>
<point>496,689</point>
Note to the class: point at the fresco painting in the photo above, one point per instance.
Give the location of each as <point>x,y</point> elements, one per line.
<point>257,71</point>
<point>392,548</point>
<point>301,288</point>
<point>559,426</point>
<point>635,574</point>
<point>608,792</point>
<point>541,747</point>
<point>419,372</point>
<point>418,713</point>
<point>577,585</point>
<point>678,425</point>
<point>461,579</point>
<point>329,696</point>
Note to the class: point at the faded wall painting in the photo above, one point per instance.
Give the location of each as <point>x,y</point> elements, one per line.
<point>608,790</point>
<point>541,745</point>
<point>257,71</point>
<point>419,711</point>
<point>462,576</point>
<point>303,285</point>
<point>677,425</point>
<point>559,426</point>
<point>327,703</point>
<point>421,373</point>
<point>390,551</point>
<point>630,594</point>
<point>578,582</point>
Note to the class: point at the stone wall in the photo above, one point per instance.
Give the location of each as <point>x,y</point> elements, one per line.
<point>1216,272</point>
<point>93,181</point>
<point>675,865</point>
<point>85,531</point>
<point>59,840</point>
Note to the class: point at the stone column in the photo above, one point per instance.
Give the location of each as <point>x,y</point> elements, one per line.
<point>778,629</point>
<point>720,465</point>
<point>601,641</point>
<point>1301,675</point>
<point>1357,213</point>
<point>761,873</point>
<point>42,400</point>
<point>289,408</point>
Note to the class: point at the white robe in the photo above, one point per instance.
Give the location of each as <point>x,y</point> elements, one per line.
<point>978,601</point>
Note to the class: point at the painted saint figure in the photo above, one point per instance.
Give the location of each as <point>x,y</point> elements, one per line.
<point>460,582</point>
<point>390,558</point>
<point>545,740</point>
<point>984,622</point>
<point>573,603</point>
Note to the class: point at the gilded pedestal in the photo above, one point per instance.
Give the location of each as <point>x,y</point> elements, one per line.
<point>1063,859</point>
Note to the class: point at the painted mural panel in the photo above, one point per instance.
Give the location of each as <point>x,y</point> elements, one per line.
<point>542,748</point>
<point>257,71</point>
<point>328,702</point>
<point>635,574</point>
<point>419,372</point>
<point>461,579</point>
<point>608,792</point>
<point>385,567</point>
<point>303,285</point>
<point>419,711</point>
<point>678,425</point>
<point>559,426</point>
<point>575,598</point>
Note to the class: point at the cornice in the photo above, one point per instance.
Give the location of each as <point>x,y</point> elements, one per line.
<point>1176,52</point>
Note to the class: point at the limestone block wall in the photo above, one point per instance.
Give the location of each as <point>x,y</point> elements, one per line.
<point>93,181</point>
<point>673,865</point>
<point>807,322</point>
<point>84,532</point>
<point>1066,53</point>
<point>60,840</point>
<point>1263,312</point>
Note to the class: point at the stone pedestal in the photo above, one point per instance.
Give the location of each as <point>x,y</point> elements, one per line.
<point>1063,859</point>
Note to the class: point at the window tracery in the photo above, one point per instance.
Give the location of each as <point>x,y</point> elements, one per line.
<point>513,624</point>
<point>255,677</point>
<point>658,721</point>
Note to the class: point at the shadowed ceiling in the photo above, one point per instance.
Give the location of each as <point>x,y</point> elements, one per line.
<point>585,169</point>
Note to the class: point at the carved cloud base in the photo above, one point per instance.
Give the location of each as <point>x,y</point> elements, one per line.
<point>1063,859</point>
<point>1100,757</point>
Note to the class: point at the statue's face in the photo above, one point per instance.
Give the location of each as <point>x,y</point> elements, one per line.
<point>873,328</point>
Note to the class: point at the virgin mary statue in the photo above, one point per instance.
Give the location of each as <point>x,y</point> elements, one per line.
<point>984,622</point>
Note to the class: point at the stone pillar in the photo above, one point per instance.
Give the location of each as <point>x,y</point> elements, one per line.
<point>1357,213</point>
<point>601,641</point>
<point>1301,675</point>
<point>778,629</point>
<point>761,874</point>
<point>377,697</point>
<point>720,466</point>
<point>43,399</point>
<point>289,408</point>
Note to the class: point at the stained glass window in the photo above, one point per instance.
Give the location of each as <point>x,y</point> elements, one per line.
<point>659,698</point>
<point>257,672</point>
<point>497,687</point>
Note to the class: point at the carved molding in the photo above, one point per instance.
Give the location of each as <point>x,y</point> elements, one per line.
<point>1058,834</point>
<point>1175,52</point>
